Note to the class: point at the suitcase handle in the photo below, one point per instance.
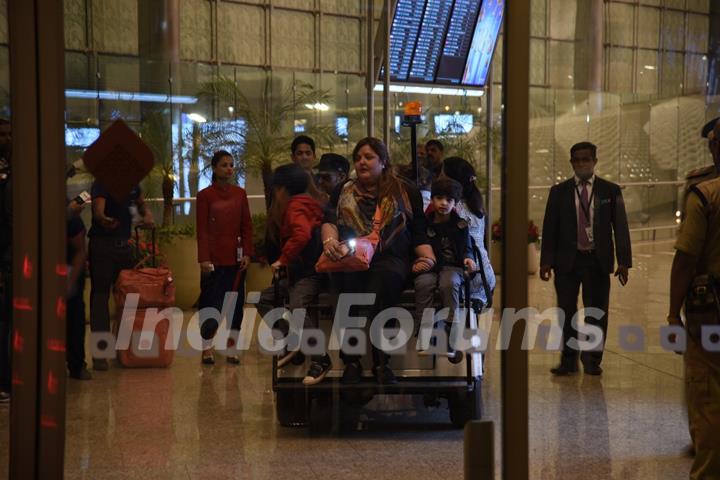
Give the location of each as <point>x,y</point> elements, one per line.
<point>137,243</point>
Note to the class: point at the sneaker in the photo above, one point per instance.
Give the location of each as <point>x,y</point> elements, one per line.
<point>233,359</point>
<point>100,365</point>
<point>285,357</point>
<point>317,372</point>
<point>81,374</point>
<point>352,373</point>
<point>384,375</point>
<point>4,397</point>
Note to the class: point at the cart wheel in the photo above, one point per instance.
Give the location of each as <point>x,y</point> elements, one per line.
<point>466,405</point>
<point>457,358</point>
<point>291,408</point>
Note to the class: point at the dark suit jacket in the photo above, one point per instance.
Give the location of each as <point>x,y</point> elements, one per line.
<point>559,234</point>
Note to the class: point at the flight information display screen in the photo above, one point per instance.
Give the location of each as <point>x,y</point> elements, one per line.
<point>444,41</point>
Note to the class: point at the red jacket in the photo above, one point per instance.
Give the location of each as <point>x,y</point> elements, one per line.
<point>223,215</point>
<point>303,213</point>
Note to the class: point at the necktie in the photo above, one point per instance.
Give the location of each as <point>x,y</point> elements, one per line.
<point>583,220</point>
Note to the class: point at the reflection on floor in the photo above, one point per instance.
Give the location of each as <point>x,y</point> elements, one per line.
<point>193,422</point>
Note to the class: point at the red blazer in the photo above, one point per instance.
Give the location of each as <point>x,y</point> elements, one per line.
<point>223,215</point>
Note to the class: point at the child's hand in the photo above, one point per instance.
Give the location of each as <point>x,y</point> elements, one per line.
<point>277,266</point>
<point>470,264</point>
<point>421,265</point>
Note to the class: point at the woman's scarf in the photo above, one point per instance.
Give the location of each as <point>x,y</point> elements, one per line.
<point>356,210</point>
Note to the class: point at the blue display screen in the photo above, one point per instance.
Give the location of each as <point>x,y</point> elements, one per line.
<point>453,124</point>
<point>80,137</point>
<point>483,43</point>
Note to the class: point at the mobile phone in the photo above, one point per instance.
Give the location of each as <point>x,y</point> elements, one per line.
<point>83,198</point>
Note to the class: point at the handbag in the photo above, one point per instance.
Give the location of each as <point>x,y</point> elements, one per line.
<point>154,285</point>
<point>361,252</point>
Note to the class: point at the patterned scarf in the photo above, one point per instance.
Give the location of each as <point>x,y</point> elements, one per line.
<point>356,209</point>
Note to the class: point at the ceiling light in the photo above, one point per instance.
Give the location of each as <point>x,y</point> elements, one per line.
<point>649,67</point>
<point>196,117</point>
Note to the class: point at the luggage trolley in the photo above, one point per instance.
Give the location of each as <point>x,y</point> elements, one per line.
<point>332,404</point>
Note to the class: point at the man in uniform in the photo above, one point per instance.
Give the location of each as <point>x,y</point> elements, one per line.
<point>694,281</point>
<point>711,131</point>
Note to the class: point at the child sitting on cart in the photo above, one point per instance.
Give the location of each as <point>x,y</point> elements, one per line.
<point>294,223</point>
<point>450,239</point>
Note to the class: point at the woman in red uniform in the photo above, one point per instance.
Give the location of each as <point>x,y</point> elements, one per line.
<point>224,236</point>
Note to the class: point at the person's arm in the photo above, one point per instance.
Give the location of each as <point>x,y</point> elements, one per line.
<point>329,231</point>
<point>418,227</point>
<point>682,273</point>
<point>202,214</point>
<point>246,227</point>
<point>98,212</point>
<point>549,235</point>
<point>300,228</point>
<point>77,264</point>
<point>621,231</point>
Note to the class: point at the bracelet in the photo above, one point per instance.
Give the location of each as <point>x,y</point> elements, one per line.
<point>328,240</point>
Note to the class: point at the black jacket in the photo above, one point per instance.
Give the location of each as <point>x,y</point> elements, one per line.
<point>559,234</point>
<point>457,231</point>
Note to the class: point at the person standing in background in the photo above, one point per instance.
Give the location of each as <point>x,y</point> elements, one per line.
<point>224,238</point>
<point>75,305</point>
<point>5,259</point>
<point>582,215</point>
<point>435,153</point>
<point>694,281</point>
<point>109,251</point>
<point>303,153</point>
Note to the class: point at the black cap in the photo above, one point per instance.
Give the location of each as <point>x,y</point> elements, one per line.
<point>333,162</point>
<point>709,127</point>
<point>446,187</point>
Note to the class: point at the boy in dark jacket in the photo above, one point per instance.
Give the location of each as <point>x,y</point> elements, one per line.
<point>450,238</point>
<point>297,230</point>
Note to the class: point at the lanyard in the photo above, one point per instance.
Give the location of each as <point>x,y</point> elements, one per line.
<point>586,211</point>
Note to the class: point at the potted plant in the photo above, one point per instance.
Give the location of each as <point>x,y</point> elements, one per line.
<point>533,238</point>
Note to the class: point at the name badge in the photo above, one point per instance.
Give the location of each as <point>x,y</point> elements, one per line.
<point>589,233</point>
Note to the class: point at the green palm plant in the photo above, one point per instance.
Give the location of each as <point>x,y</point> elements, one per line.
<point>155,131</point>
<point>262,138</point>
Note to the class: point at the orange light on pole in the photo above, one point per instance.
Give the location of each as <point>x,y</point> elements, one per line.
<point>413,109</point>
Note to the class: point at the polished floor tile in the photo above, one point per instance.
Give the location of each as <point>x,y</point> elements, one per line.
<point>194,422</point>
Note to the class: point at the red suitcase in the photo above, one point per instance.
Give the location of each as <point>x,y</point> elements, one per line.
<point>156,290</point>
<point>147,353</point>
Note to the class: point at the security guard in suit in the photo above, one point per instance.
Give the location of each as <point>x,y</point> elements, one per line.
<point>695,281</point>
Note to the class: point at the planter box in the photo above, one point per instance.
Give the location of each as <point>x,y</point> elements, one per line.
<point>496,258</point>
<point>181,255</point>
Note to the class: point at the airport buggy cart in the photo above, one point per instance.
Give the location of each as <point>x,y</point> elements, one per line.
<point>334,405</point>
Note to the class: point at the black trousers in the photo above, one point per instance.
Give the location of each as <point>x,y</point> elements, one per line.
<point>5,326</point>
<point>386,283</point>
<point>75,315</point>
<point>213,287</point>
<point>595,281</point>
<point>107,257</point>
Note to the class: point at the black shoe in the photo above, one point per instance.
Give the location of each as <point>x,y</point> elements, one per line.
<point>208,359</point>
<point>81,374</point>
<point>233,359</point>
<point>100,365</point>
<point>317,372</point>
<point>563,370</point>
<point>593,370</point>
<point>384,375</point>
<point>4,398</point>
<point>352,373</point>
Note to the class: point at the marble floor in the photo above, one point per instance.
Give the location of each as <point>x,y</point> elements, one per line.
<point>194,422</point>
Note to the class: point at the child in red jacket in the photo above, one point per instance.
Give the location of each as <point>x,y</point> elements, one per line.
<point>224,237</point>
<point>296,227</point>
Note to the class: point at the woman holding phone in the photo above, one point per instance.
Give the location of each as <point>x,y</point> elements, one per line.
<point>224,237</point>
